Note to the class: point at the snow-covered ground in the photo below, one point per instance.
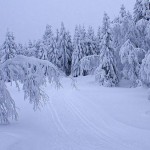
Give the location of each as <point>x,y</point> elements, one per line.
<point>87,118</point>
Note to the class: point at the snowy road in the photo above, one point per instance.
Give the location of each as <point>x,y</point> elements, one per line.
<point>89,118</point>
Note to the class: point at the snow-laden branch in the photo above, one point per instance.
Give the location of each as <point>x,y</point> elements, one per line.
<point>7,105</point>
<point>32,73</point>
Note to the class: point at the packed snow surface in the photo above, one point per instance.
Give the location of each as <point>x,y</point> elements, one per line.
<point>88,117</point>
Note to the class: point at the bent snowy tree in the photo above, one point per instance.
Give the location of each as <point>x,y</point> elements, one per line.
<point>89,64</point>
<point>32,73</point>
<point>129,59</point>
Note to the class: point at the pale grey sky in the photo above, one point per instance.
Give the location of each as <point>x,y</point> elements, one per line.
<point>28,18</point>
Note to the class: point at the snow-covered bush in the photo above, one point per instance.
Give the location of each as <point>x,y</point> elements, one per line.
<point>32,73</point>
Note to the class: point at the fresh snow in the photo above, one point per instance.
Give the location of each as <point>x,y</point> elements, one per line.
<point>88,117</point>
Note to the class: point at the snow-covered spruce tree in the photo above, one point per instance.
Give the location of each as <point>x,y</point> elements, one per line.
<point>83,35</point>
<point>48,37</point>
<point>141,19</point>
<point>146,9</point>
<point>106,73</point>
<point>21,49</point>
<point>75,68</point>
<point>91,47</point>
<point>30,49</point>
<point>48,48</point>
<point>122,13</point>
<point>54,54</point>
<point>127,26</point>
<point>119,28</point>
<point>8,48</point>
<point>141,10</point>
<point>37,47</point>
<point>65,48</point>
<point>41,50</point>
<point>130,61</point>
<point>32,73</point>
<point>98,40</point>
<point>69,53</point>
<point>57,52</point>
<point>138,8</point>
<point>129,30</point>
<point>79,50</point>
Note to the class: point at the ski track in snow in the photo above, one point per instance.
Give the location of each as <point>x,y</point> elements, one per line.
<point>102,135</point>
<point>56,119</point>
<point>75,120</point>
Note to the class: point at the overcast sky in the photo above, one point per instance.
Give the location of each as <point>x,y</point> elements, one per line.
<point>28,18</point>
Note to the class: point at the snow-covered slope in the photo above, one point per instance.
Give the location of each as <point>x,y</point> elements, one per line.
<point>87,118</point>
